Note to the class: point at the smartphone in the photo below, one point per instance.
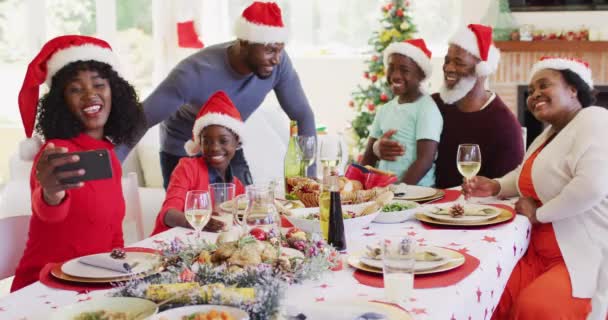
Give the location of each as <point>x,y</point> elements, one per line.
<point>96,164</point>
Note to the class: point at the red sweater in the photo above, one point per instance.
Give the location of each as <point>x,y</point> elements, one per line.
<point>189,174</point>
<point>495,129</point>
<point>87,221</point>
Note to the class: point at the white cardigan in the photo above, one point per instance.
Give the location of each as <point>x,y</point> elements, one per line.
<point>570,177</point>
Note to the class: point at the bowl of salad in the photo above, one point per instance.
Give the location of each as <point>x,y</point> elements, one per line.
<point>397,211</point>
<point>356,216</point>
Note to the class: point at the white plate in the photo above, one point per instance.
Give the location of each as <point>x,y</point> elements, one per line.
<point>146,262</point>
<point>132,306</point>
<point>178,313</point>
<point>462,219</point>
<point>413,192</point>
<point>418,267</point>
<point>397,216</point>
<point>313,226</point>
<point>347,309</point>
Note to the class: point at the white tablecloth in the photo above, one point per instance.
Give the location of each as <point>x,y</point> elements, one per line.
<point>475,297</point>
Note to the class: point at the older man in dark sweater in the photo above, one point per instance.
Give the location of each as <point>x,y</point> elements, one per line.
<point>471,114</point>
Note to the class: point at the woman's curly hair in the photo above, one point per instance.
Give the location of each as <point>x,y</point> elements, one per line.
<point>584,93</point>
<point>126,119</point>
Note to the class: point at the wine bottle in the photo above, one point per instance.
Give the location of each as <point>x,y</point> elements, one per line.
<point>293,156</point>
<point>336,236</point>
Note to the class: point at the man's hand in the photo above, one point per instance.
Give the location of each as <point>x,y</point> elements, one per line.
<point>388,149</point>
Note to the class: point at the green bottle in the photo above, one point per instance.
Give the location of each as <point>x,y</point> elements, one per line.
<point>293,157</point>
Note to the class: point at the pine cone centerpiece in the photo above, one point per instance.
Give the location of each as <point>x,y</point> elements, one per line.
<point>457,210</point>
<point>118,253</point>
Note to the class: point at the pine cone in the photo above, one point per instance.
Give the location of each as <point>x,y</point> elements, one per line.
<point>457,210</point>
<point>118,253</point>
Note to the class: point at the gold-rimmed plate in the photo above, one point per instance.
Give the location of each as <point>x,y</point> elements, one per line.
<point>436,196</point>
<point>454,259</point>
<point>57,273</point>
<point>505,215</point>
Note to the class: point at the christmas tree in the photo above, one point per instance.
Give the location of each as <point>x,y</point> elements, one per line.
<point>396,22</point>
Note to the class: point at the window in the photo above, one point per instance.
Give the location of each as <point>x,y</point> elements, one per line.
<point>13,57</point>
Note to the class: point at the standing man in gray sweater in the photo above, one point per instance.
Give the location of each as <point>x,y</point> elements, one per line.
<point>247,69</point>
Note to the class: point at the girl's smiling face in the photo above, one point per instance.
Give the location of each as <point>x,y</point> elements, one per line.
<point>219,145</point>
<point>89,98</point>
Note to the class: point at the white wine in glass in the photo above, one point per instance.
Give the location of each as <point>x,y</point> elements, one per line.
<point>468,160</point>
<point>330,152</point>
<point>198,209</point>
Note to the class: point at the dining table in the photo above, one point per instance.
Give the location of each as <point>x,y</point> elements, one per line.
<point>498,248</point>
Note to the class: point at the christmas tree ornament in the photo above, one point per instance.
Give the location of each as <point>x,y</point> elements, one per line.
<point>188,24</point>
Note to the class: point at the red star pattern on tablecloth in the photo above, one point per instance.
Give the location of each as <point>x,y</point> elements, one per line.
<point>323,286</point>
<point>463,250</point>
<point>412,233</point>
<point>454,244</point>
<point>412,299</point>
<point>421,240</point>
<point>47,302</point>
<point>320,299</point>
<point>478,293</point>
<point>489,239</point>
<point>485,315</point>
<point>87,298</point>
<point>369,234</point>
<point>514,250</point>
<point>498,271</point>
<point>365,228</point>
<point>418,311</point>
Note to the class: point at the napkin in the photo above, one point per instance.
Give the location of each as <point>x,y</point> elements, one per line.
<point>107,262</point>
<point>369,178</point>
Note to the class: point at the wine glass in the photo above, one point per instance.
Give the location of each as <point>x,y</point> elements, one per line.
<point>308,145</point>
<point>330,152</point>
<point>468,160</point>
<point>198,209</point>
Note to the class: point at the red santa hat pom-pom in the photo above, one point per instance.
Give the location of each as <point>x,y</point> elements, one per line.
<point>29,148</point>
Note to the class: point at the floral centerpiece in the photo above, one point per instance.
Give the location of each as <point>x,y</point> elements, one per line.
<point>249,271</point>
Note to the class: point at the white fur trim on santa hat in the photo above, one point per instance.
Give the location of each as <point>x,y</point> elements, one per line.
<point>29,148</point>
<point>562,64</point>
<point>192,147</point>
<point>258,33</point>
<point>412,52</point>
<point>83,52</point>
<point>466,39</point>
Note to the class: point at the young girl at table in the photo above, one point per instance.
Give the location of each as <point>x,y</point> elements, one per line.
<point>218,133</point>
<point>89,106</point>
<point>412,118</point>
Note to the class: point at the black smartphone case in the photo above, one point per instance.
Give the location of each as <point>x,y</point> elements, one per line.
<point>96,163</point>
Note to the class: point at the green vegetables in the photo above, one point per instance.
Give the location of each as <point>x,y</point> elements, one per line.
<point>398,206</point>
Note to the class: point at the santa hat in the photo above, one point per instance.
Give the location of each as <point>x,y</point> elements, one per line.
<point>261,22</point>
<point>218,110</point>
<point>416,50</point>
<point>580,67</point>
<point>477,40</point>
<point>54,55</point>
